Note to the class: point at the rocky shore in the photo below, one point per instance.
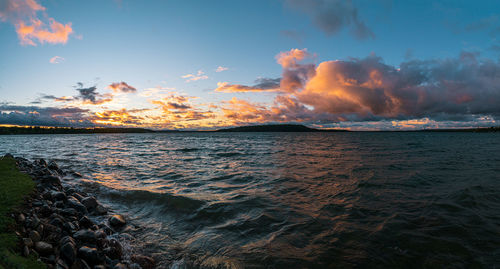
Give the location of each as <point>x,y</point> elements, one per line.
<point>57,224</point>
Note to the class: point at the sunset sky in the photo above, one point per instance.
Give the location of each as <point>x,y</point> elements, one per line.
<point>360,65</point>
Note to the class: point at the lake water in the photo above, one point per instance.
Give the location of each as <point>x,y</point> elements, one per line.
<point>288,200</point>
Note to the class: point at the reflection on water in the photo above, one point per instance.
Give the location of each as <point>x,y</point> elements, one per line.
<point>294,199</point>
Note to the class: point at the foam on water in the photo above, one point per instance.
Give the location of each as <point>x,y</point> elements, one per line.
<point>219,200</point>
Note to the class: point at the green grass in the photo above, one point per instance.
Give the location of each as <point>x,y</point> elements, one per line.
<point>14,187</point>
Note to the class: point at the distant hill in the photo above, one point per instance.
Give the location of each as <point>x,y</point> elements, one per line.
<point>275,128</point>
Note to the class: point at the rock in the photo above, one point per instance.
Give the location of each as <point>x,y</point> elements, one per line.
<point>44,248</point>
<point>67,239</point>
<point>90,255</point>
<point>69,212</point>
<point>57,221</point>
<point>60,264</point>
<point>50,179</point>
<point>53,166</point>
<point>89,202</point>
<point>28,242</point>
<point>68,252</point>
<point>58,195</point>
<point>69,191</point>
<point>35,236</point>
<point>26,251</point>
<point>21,218</point>
<point>117,221</point>
<point>85,222</point>
<point>8,155</point>
<point>120,266</point>
<point>99,267</point>
<point>85,235</point>
<point>74,203</point>
<point>100,210</point>
<point>78,196</point>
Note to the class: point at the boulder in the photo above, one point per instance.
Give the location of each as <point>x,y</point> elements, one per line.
<point>100,210</point>
<point>89,202</point>
<point>68,252</point>
<point>58,196</point>
<point>35,236</point>
<point>74,203</point>
<point>28,242</point>
<point>43,248</point>
<point>117,221</point>
<point>85,222</point>
<point>85,235</point>
<point>90,255</point>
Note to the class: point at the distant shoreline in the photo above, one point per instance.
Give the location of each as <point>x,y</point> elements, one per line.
<point>18,130</point>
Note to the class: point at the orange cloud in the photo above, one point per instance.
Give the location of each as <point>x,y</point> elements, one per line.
<point>23,15</point>
<point>221,69</point>
<point>56,60</point>
<point>263,85</point>
<point>122,87</point>
<point>194,77</point>
<point>120,117</point>
<point>290,58</point>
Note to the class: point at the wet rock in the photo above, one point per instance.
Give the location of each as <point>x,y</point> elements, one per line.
<point>69,212</point>
<point>100,210</point>
<point>90,255</point>
<point>50,179</point>
<point>35,236</point>
<point>85,222</point>
<point>117,221</point>
<point>68,252</point>
<point>78,196</point>
<point>69,191</point>
<point>85,235</point>
<point>44,248</point>
<point>74,203</point>
<point>99,267</point>
<point>58,195</point>
<point>89,202</point>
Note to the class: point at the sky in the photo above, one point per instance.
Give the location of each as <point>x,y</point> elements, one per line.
<point>203,65</point>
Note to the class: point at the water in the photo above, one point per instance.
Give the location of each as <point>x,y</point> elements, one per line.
<point>307,200</point>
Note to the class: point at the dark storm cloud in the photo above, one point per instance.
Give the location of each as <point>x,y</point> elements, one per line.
<point>332,15</point>
<point>43,116</point>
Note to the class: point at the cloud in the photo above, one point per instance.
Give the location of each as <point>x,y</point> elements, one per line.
<point>262,84</point>
<point>23,14</point>
<point>194,77</point>
<point>44,116</point>
<point>333,15</point>
<point>122,117</point>
<point>465,89</point>
<point>221,69</point>
<point>122,87</point>
<point>56,60</point>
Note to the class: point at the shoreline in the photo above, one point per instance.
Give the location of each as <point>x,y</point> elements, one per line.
<point>58,224</point>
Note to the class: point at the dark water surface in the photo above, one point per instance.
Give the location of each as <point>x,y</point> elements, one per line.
<point>288,200</point>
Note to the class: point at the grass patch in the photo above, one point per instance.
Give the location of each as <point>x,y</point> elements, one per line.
<point>14,187</point>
